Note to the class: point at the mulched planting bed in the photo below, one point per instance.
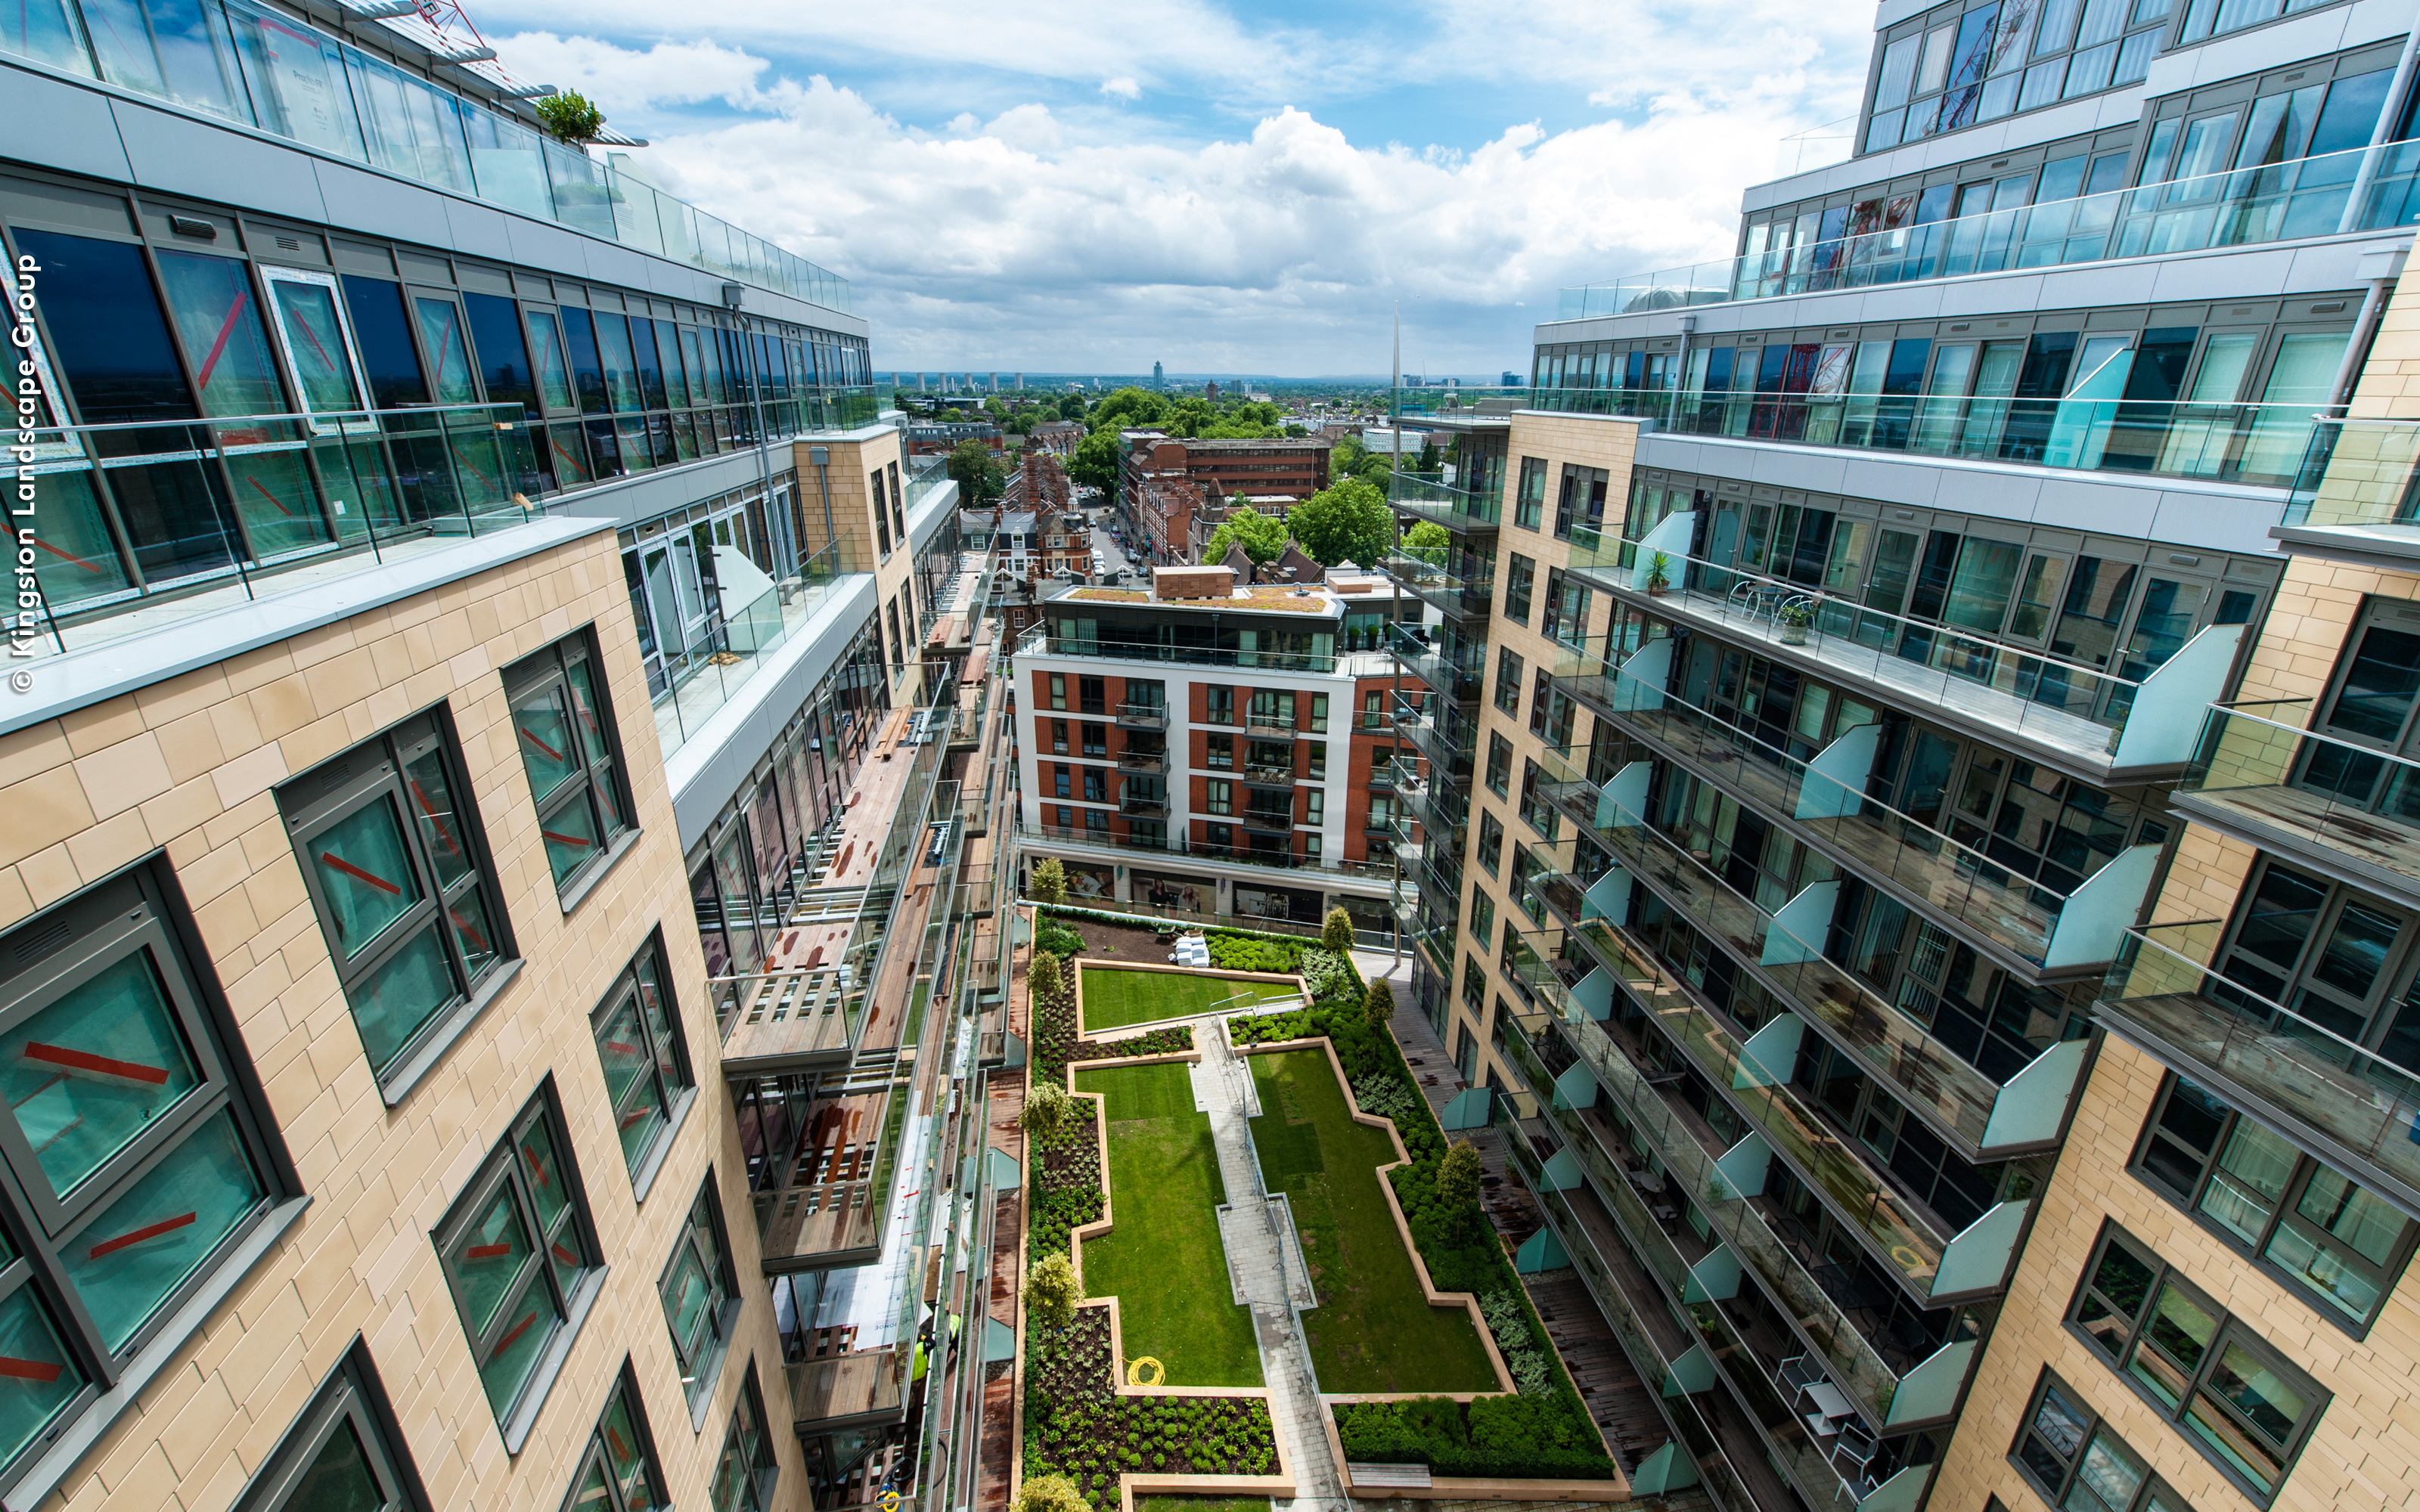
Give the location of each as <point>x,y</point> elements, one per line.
<point>1076,1425</point>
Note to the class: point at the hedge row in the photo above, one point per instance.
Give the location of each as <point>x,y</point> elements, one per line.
<point>1462,1254</point>
<point>1053,1022</point>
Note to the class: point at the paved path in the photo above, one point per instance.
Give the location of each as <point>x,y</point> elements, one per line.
<point>1256,1257</point>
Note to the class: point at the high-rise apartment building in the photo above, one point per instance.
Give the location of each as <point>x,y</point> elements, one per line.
<point>494,899</point>
<point>1916,836</point>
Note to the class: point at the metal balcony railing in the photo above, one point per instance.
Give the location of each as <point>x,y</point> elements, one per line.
<point>1143,715</point>
<point>2349,805</point>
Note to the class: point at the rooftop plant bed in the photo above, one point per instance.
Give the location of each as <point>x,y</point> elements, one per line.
<point>1053,1023</point>
<point>1462,1254</point>
<point>1161,1258</point>
<point>1373,1330</point>
<point>1079,1425</point>
<point>1119,996</point>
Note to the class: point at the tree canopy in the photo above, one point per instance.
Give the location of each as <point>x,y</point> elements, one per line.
<point>1094,461</point>
<point>1262,536</point>
<point>1347,521</point>
<point>1427,541</point>
<point>976,470</point>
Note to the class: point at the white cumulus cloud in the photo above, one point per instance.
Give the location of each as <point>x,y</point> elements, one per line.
<point>1122,87</point>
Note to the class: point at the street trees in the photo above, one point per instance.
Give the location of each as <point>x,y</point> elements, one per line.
<point>1262,536</point>
<point>1347,521</point>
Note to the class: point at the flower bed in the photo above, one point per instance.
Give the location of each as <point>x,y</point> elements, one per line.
<point>1547,1426</point>
<point>1078,1426</point>
<point>1055,1044</point>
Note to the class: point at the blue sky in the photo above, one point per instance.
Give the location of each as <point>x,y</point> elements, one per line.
<point>1086,186</point>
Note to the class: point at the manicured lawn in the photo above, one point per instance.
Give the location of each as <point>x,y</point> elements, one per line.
<point>1163,1260</point>
<point>1373,1330</point>
<point>1114,998</point>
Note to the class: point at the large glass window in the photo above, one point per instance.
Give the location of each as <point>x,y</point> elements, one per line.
<point>566,740</point>
<point>520,1253</point>
<point>2078,1464</point>
<point>2236,1397</point>
<point>391,851</point>
<point>2337,1243</point>
<point>639,1043</point>
<point>137,1168</point>
<point>696,1291</point>
<point>1955,68</point>
<point>618,1470</point>
<point>338,1456</point>
<point>2340,960</point>
<point>745,1472</point>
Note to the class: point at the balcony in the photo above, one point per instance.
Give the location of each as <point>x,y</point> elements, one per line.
<point>1266,727</point>
<point>1465,511</point>
<point>1268,821</point>
<point>2348,810</point>
<point>1101,842</point>
<point>1404,776</point>
<point>819,1165</point>
<point>2356,494</point>
<point>1980,1119</point>
<point>1674,1285</point>
<point>1039,642</point>
<point>1460,584</point>
<point>1153,807</point>
<point>1269,774</point>
<point>2365,189</point>
<point>796,1019</point>
<point>1455,670</point>
<point>712,674</point>
<point>1143,715</point>
<point>2027,928</point>
<point>860,1388</point>
<point>1155,762</point>
<point>1448,749</point>
<point>2343,1103</point>
<point>2106,729</point>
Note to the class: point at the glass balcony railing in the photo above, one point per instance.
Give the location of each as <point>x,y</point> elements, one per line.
<point>2009,693</point>
<point>1454,668</point>
<point>1039,642</point>
<point>728,654</point>
<point>1922,1073</point>
<point>2358,473</point>
<point>2349,806</point>
<point>273,73</point>
<point>1439,733</point>
<point>1675,1136</point>
<point>1462,584</point>
<point>1432,499</point>
<point>2355,1107</point>
<point>133,526</point>
<point>2365,189</point>
<point>1880,844</point>
<point>2259,445</point>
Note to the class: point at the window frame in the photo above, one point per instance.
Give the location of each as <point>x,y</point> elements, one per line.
<point>504,1170</point>
<point>2306,1168</point>
<point>762,1464</point>
<point>720,1315</point>
<point>2227,1332</point>
<point>345,788</point>
<point>1509,665</point>
<point>667,1066</point>
<point>350,1397</point>
<point>598,1453</point>
<point>536,675</point>
<point>2091,1426</point>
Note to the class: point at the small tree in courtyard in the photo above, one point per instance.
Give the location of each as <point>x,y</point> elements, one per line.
<point>1050,1291</point>
<point>1041,979</point>
<point>1458,1179</point>
<point>1049,1493</point>
<point>1050,881</point>
<point>1336,934</point>
<point>1379,1005</point>
<point>1049,1113</point>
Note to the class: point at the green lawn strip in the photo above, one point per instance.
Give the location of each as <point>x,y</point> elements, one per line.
<point>1114,998</point>
<point>1162,1258</point>
<point>1373,1330</point>
<point>1201,1504</point>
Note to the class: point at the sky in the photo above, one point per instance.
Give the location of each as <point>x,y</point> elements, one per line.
<point>1097,185</point>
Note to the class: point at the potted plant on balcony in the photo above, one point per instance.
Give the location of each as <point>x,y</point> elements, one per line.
<point>1794,617</point>
<point>1659,575</point>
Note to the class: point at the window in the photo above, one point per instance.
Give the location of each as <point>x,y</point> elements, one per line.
<point>1530,500</point>
<point>1483,916</point>
<point>1064,776</point>
<point>1319,714</point>
<point>1371,718</point>
<point>2080,1466</point>
<point>2337,1243</point>
<point>638,1040</point>
<point>338,1457</point>
<point>1315,810</point>
<point>520,1258</point>
<point>1096,784</point>
<point>1508,681</point>
<point>1096,741</point>
<point>1097,820</point>
<point>1474,983</point>
<point>1567,609</point>
<point>1058,690</point>
<point>138,1168</point>
<point>744,1475</point>
<point>1092,695</point>
<point>696,1288</point>
<point>1218,703</point>
<point>1318,759</point>
<point>1491,841</point>
<point>1580,504</point>
<point>1987,62</point>
<point>1058,737</point>
<point>881,514</point>
<point>1220,752</point>
<point>1520,579</point>
<point>391,850</point>
<point>1220,796</point>
<point>1499,764</point>
<point>565,735</point>
<point>2334,956</point>
<point>1270,709</point>
<point>618,1470</point>
<point>2242,1403</point>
